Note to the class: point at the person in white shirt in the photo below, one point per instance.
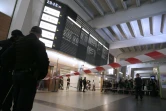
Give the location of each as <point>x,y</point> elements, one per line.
<point>93,87</point>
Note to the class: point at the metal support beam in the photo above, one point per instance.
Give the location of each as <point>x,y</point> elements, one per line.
<point>109,34</point>
<point>129,15</point>
<point>124,4</point>
<point>87,9</point>
<point>126,30</point>
<point>117,32</point>
<point>105,37</point>
<point>98,7</point>
<point>136,29</point>
<point>139,41</point>
<point>163,24</point>
<point>110,5</point>
<point>140,27</point>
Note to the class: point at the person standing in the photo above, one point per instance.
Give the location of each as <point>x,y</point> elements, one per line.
<point>84,83</point>
<point>6,70</point>
<point>138,87</point>
<point>93,87</point>
<point>68,83</point>
<point>31,65</point>
<point>80,84</point>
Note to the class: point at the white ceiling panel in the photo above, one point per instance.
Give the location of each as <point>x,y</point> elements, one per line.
<point>135,27</point>
<point>156,20</point>
<point>164,24</point>
<point>117,32</point>
<point>109,34</point>
<point>126,30</point>
<point>146,26</point>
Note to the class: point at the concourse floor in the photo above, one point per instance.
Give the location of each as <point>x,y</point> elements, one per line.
<point>94,101</point>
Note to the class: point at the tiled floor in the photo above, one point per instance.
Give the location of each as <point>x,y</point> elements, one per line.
<point>94,101</point>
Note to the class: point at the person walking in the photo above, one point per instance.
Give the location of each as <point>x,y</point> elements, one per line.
<point>31,65</point>
<point>68,83</point>
<point>138,87</point>
<point>84,83</point>
<point>93,87</point>
<point>6,70</point>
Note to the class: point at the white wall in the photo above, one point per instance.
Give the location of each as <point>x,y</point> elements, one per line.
<point>7,6</point>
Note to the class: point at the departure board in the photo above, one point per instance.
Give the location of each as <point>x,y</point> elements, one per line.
<point>61,31</point>
<point>49,22</point>
<point>90,55</point>
<point>70,37</point>
<point>84,37</point>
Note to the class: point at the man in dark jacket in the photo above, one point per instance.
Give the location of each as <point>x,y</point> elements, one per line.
<point>84,83</point>
<point>6,72</point>
<point>138,87</point>
<point>31,64</point>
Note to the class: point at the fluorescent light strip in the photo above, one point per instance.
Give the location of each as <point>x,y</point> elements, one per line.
<point>74,21</point>
<point>85,30</point>
<point>105,47</point>
<point>93,37</point>
<point>98,41</point>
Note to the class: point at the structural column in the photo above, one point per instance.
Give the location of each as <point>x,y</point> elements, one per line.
<point>19,15</point>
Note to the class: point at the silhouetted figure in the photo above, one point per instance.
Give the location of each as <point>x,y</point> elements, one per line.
<point>80,84</point>
<point>6,69</point>
<point>68,83</point>
<point>30,65</point>
<point>84,83</point>
<point>138,87</point>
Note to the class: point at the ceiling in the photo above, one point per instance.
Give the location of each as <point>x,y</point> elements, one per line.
<point>143,47</point>
<point>96,8</point>
<point>127,25</point>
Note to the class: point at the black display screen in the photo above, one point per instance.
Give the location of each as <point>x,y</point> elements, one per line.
<point>90,55</point>
<point>70,38</point>
<point>84,38</point>
<point>61,32</point>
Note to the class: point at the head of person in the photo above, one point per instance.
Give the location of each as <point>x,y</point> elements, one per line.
<point>84,77</point>
<point>37,31</point>
<point>15,35</point>
<point>137,75</point>
<point>93,80</point>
